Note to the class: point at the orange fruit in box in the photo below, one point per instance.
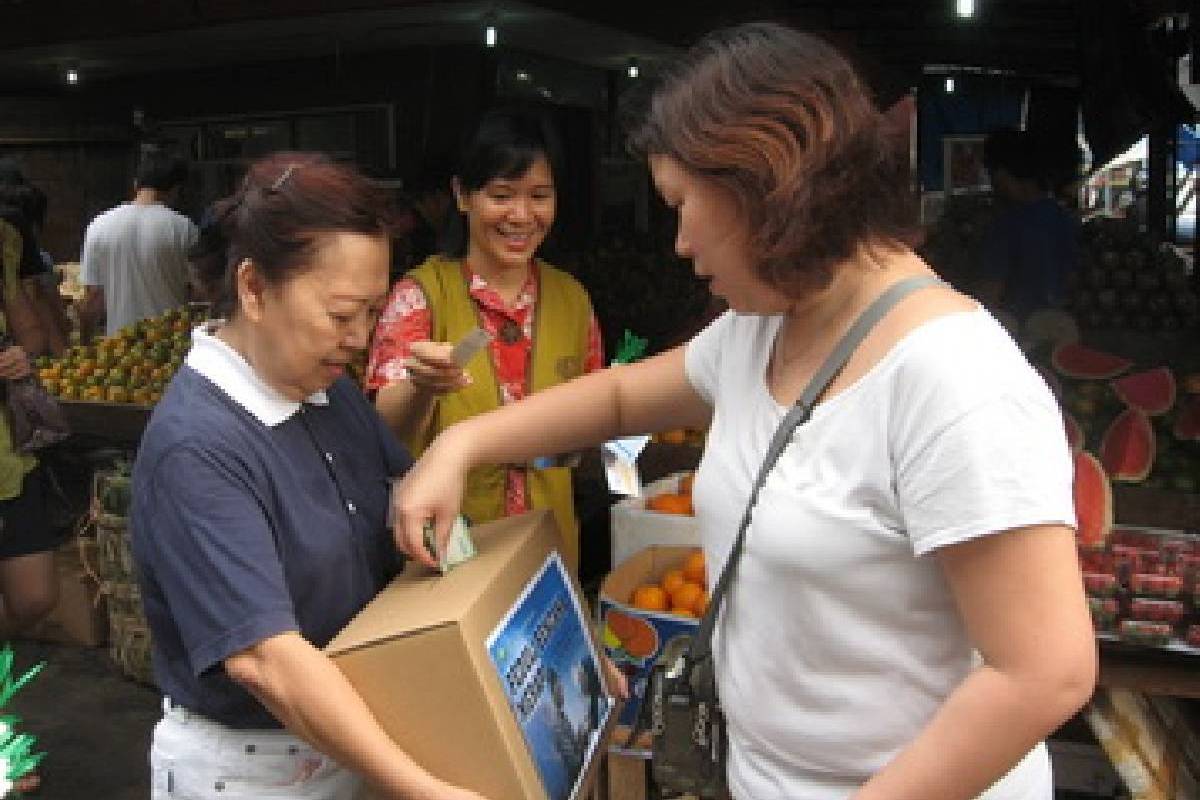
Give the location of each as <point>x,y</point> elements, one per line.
<point>701,604</point>
<point>680,611</point>
<point>687,596</point>
<point>670,503</point>
<point>685,483</point>
<point>649,598</point>
<point>693,568</point>
<point>672,579</point>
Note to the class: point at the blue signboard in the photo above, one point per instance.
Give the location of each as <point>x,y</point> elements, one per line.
<point>548,666</point>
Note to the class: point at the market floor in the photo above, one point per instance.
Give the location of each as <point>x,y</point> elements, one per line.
<point>93,723</point>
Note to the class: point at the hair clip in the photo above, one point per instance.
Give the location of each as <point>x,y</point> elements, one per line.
<point>282,179</point>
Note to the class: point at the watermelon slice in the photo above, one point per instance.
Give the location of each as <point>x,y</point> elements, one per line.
<point>1127,449</point>
<point>1187,421</point>
<point>1093,502</point>
<point>1073,360</point>
<point>1075,435</point>
<point>1152,391</point>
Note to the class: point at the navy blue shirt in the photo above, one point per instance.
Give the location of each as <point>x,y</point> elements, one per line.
<point>242,531</point>
<point>1031,249</point>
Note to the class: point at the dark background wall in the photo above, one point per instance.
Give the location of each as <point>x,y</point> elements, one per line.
<point>81,146</point>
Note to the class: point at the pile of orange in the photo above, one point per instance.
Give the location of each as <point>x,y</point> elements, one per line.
<point>133,365</point>
<point>677,502</point>
<point>680,591</point>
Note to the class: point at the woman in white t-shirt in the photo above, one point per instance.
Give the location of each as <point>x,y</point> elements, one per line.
<point>907,619</point>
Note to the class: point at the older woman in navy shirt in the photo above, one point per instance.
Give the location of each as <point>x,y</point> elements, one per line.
<point>260,497</point>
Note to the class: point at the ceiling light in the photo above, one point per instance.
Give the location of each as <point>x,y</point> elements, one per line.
<point>72,76</point>
<point>965,8</point>
<point>633,71</point>
<point>522,75</point>
<point>489,36</point>
<point>949,85</point>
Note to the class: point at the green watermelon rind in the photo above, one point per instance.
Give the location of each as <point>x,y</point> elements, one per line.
<point>1085,519</point>
<point>1103,365</point>
<point>1132,390</point>
<point>1119,471</point>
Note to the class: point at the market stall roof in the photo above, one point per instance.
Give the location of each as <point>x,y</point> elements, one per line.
<point>38,41</point>
<point>130,37</point>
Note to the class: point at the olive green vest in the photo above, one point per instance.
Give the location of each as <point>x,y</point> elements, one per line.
<point>562,318</point>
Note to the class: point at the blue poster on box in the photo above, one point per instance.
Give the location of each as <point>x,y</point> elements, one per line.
<point>544,656</point>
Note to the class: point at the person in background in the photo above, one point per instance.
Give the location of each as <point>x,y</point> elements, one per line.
<point>28,578</point>
<point>539,318</point>
<point>1033,244</point>
<point>907,620</point>
<point>260,494</point>
<point>134,262</point>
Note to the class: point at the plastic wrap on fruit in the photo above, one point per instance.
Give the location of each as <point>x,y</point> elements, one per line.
<point>1098,584</point>
<point>1146,634</point>
<point>1151,610</point>
<point>1166,587</point>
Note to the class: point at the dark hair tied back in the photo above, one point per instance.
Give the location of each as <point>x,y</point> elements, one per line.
<point>285,203</point>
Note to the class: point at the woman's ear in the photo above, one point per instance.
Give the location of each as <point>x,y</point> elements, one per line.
<point>460,199</point>
<point>250,288</point>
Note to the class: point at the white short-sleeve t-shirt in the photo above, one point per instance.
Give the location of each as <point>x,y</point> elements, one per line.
<point>138,254</point>
<point>840,638</point>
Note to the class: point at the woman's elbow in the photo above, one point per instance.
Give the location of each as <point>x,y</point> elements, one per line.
<point>1068,682</point>
<point>248,670</point>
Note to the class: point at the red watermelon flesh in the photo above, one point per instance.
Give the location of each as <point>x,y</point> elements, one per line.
<point>1152,391</point>
<point>1127,449</point>
<point>1076,361</point>
<point>1093,502</point>
<point>1187,422</point>
<point>1074,433</point>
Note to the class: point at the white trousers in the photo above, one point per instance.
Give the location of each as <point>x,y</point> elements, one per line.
<point>194,758</point>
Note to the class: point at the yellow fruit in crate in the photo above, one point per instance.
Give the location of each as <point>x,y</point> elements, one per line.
<point>611,640</point>
<point>94,393</point>
<point>68,391</point>
<point>140,396</point>
<point>49,384</point>
<point>117,394</point>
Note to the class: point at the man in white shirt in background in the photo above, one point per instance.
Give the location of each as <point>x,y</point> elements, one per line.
<point>134,264</point>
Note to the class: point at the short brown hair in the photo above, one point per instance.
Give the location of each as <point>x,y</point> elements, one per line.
<point>780,119</point>
<point>285,203</point>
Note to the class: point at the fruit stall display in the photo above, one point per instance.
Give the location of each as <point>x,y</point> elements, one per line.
<point>131,367</point>
<point>954,241</point>
<point>1141,427</point>
<point>1142,423</point>
<point>1129,282</point>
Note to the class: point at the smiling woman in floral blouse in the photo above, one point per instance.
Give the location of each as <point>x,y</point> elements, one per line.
<point>540,320</point>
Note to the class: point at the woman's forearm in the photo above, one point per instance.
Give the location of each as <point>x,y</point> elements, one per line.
<point>406,409</point>
<point>313,699</point>
<point>645,397</point>
<point>984,728</point>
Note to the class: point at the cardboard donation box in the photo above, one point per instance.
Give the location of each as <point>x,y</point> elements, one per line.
<point>487,676</point>
<point>634,637</point>
<point>633,526</point>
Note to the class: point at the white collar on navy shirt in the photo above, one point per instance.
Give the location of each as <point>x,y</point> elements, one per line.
<point>234,376</point>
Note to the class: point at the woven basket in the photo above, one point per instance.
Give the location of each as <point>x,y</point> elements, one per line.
<point>114,558</point>
<point>129,646</point>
